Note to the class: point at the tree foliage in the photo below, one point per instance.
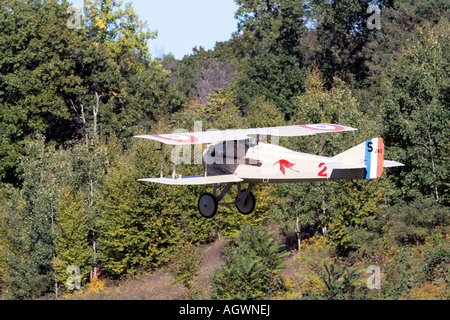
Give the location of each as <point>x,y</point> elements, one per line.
<point>416,114</point>
<point>185,265</point>
<point>343,33</point>
<point>71,99</point>
<point>275,67</point>
<point>62,84</point>
<point>71,246</point>
<point>31,220</point>
<point>252,267</point>
<point>118,26</point>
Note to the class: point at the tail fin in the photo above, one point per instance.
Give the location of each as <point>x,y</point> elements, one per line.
<point>374,158</point>
<point>368,155</point>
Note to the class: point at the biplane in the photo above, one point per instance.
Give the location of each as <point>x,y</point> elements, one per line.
<point>240,157</point>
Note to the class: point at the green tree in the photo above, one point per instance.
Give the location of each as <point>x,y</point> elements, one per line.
<point>185,265</point>
<point>412,223</point>
<point>263,113</point>
<point>342,34</point>
<point>58,82</point>
<point>341,283</point>
<point>437,265</point>
<point>141,223</point>
<point>339,104</point>
<point>302,211</point>
<point>408,242</point>
<point>118,26</point>
<point>275,67</point>
<point>416,113</point>
<point>8,197</point>
<point>32,222</point>
<point>90,164</point>
<point>352,209</point>
<point>252,267</point>
<point>37,63</point>
<point>71,247</point>
<point>126,225</point>
<point>398,23</point>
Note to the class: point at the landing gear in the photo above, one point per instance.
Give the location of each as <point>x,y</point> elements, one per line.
<point>247,205</point>
<point>207,205</point>
<point>245,201</point>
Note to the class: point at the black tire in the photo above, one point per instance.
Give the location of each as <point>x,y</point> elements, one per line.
<point>249,204</point>
<point>207,205</point>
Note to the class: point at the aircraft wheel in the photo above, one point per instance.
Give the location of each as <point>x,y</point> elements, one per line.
<point>248,205</point>
<point>207,205</point>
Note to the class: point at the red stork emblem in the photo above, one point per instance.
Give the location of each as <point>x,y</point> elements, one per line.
<point>285,164</point>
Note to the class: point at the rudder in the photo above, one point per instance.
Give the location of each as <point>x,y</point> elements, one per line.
<point>373,159</point>
<point>368,155</point>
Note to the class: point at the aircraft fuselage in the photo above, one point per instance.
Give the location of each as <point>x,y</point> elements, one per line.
<point>264,163</point>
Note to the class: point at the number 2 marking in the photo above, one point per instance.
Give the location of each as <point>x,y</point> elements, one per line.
<point>322,172</point>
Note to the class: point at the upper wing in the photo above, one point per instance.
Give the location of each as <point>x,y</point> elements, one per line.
<point>242,134</point>
<point>195,180</point>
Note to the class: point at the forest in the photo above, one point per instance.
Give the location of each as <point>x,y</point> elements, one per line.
<point>75,87</point>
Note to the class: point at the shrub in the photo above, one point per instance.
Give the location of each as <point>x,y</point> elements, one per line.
<point>186,263</point>
<point>252,267</point>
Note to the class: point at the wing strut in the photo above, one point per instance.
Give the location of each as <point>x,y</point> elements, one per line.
<point>174,175</point>
<point>206,168</point>
<point>162,160</point>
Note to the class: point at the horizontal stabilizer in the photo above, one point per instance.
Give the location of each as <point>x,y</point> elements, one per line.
<point>359,165</point>
<point>195,180</point>
<point>391,164</point>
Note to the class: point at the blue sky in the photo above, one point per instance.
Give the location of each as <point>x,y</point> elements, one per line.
<point>184,24</point>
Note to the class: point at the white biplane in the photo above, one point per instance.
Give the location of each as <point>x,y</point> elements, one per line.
<point>239,157</point>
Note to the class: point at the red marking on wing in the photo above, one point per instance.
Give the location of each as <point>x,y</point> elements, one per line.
<point>285,164</point>
<point>179,137</point>
<point>322,127</point>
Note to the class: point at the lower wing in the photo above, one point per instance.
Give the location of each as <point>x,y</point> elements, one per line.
<point>195,180</point>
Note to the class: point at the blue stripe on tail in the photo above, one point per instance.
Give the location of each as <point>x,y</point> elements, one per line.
<point>367,159</point>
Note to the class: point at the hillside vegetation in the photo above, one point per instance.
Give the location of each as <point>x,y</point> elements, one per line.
<point>75,89</point>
